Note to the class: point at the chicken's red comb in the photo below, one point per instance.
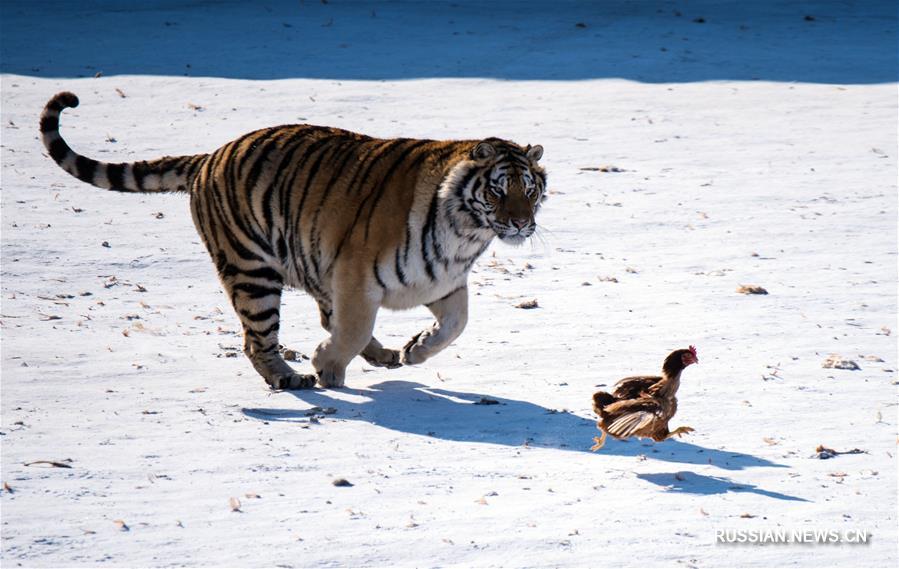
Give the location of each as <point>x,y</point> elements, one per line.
<point>693,351</point>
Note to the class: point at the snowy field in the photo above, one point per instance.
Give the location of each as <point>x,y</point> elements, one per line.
<point>743,143</point>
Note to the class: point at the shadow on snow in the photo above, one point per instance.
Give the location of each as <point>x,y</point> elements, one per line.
<point>692,483</point>
<point>823,41</point>
<point>454,416</point>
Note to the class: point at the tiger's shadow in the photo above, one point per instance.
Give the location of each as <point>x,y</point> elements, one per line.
<point>418,409</point>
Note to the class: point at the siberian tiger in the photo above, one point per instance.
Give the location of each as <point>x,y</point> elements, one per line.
<point>359,223</point>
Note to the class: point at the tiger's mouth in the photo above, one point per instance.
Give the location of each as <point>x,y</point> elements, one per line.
<point>513,235</point>
<point>516,239</point>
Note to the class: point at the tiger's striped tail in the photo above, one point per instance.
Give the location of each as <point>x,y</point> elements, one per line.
<point>167,174</point>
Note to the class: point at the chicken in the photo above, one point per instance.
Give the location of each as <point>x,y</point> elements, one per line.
<point>641,406</point>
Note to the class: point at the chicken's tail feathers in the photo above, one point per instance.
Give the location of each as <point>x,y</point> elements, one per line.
<point>600,400</point>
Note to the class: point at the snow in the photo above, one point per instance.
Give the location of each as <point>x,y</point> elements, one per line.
<point>758,149</point>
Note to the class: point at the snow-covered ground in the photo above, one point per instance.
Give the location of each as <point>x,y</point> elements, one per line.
<point>757,147</point>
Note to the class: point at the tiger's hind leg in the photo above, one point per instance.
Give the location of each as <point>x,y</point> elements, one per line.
<point>253,285</point>
<point>258,306</point>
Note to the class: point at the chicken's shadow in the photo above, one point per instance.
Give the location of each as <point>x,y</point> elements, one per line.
<point>692,483</point>
<point>418,409</point>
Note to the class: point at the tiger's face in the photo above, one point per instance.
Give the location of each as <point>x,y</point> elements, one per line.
<point>509,190</point>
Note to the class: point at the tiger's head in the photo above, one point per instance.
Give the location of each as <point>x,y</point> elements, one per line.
<point>506,188</point>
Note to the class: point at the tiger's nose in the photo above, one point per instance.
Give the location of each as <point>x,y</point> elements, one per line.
<point>519,222</point>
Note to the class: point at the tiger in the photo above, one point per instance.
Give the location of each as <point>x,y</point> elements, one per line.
<point>358,223</point>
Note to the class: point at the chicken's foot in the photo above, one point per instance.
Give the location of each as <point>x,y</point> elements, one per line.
<point>598,442</point>
<point>680,431</point>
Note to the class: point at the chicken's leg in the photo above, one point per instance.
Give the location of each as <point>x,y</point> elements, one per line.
<point>680,431</point>
<point>598,442</point>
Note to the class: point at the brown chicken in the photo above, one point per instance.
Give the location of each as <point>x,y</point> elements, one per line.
<point>641,406</point>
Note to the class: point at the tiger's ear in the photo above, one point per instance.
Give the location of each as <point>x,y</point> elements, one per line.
<point>534,153</point>
<point>483,151</point>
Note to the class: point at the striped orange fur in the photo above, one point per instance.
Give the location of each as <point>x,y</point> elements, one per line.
<point>359,223</point>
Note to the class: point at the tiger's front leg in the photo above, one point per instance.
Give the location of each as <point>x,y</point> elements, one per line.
<point>379,356</point>
<point>451,312</point>
<point>355,306</point>
<point>374,353</point>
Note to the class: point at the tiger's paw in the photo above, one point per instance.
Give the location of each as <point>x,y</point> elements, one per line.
<point>391,359</point>
<point>291,382</point>
<point>327,378</point>
<point>410,358</point>
<point>414,352</point>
